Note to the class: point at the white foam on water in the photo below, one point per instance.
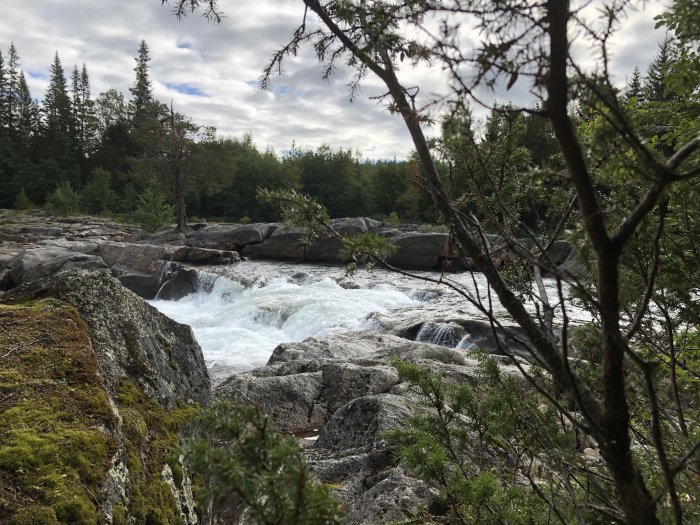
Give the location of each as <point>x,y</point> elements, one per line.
<point>243,311</point>
<point>239,326</point>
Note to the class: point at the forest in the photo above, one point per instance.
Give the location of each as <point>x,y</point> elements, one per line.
<point>117,155</point>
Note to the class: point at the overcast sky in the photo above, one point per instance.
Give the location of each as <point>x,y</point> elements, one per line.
<point>211,72</point>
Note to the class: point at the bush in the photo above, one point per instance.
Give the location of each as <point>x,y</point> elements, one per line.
<point>98,196</point>
<point>152,211</point>
<point>22,201</point>
<point>242,456</point>
<point>64,200</point>
<point>393,219</point>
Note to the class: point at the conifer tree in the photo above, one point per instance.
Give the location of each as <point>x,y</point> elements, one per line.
<point>3,93</point>
<point>12,89</point>
<point>634,86</point>
<point>76,110</point>
<point>141,106</point>
<point>89,116</point>
<point>57,104</point>
<point>655,87</point>
<point>83,112</point>
<point>28,123</point>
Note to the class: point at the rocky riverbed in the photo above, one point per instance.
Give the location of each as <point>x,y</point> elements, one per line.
<point>69,299</point>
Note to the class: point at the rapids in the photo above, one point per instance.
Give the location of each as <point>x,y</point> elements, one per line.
<point>240,313</point>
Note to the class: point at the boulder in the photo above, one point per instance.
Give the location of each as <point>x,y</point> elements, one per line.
<point>284,243</point>
<point>205,256</point>
<point>144,285</point>
<point>360,423</point>
<point>559,252</point>
<point>33,264</point>
<point>344,382</point>
<point>184,283</point>
<point>108,384</point>
<point>397,498</point>
<point>130,337</point>
<point>291,401</point>
<point>419,251</point>
<point>145,258</point>
<point>231,237</point>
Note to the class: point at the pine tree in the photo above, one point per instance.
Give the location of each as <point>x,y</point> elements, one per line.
<point>634,86</point>
<point>12,89</point>
<point>142,105</point>
<point>4,121</point>
<point>655,88</point>
<point>57,104</point>
<point>28,124</point>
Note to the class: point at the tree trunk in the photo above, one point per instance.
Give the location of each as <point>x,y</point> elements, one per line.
<point>180,199</point>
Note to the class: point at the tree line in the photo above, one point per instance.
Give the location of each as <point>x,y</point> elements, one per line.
<point>109,154</point>
<point>138,157</point>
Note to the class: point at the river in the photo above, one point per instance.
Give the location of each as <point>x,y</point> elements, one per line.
<point>241,312</point>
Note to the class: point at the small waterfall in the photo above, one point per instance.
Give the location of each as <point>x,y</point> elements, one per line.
<point>444,334</point>
<point>466,344</point>
<point>423,295</point>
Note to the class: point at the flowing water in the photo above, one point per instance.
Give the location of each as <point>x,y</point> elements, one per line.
<point>240,313</point>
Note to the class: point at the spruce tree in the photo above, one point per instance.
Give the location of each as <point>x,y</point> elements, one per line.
<point>3,94</point>
<point>77,111</point>
<point>89,116</point>
<point>634,86</point>
<point>655,87</point>
<point>12,89</point>
<point>83,112</point>
<point>28,124</point>
<point>57,104</point>
<point>142,104</point>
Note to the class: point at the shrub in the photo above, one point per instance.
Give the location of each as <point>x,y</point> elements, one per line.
<point>22,201</point>
<point>64,200</point>
<point>241,455</point>
<point>98,196</point>
<point>152,211</point>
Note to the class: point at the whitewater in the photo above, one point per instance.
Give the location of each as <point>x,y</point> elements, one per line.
<point>240,313</point>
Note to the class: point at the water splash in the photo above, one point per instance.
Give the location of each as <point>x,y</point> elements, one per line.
<point>466,344</point>
<point>239,320</point>
<point>444,334</point>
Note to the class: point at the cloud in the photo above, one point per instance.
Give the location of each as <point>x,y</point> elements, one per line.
<point>211,72</point>
<point>186,89</point>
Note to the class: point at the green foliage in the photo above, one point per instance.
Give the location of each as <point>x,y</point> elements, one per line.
<point>393,219</point>
<point>490,448</point>
<point>241,455</point>
<point>98,196</point>
<point>64,200</point>
<point>152,210</point>
<point>299,210</point>
<point>367,249</point>
<point>22,201</point>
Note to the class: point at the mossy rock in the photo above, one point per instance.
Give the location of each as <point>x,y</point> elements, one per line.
<point>151,435</point>
<point>55,419</point>
<point>58,432</point>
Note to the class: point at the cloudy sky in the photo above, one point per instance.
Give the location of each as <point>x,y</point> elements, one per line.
<point>211,72</point>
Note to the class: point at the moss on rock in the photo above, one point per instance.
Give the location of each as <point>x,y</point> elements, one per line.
<point>55,419</point>
<point>151,436</point>
<point>59,433</point>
